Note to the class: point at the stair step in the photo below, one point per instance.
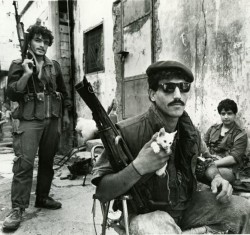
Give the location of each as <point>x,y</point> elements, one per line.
<point>6,144</point>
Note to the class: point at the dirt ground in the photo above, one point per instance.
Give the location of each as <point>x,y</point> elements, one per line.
<point>75,216</point>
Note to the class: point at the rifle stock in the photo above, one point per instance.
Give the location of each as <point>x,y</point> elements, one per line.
<point>118,152</point>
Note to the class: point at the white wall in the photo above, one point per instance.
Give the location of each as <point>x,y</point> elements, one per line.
<point>213,39</point>
<point>9,45</point>
<point>88,14</point>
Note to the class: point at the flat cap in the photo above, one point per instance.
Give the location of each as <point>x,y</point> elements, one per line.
<point>170,66</point>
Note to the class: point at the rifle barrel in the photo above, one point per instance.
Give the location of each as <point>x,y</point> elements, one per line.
<point>119,153</point>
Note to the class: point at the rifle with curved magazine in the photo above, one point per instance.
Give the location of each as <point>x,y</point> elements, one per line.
<point>117,150</point>
<point>22,36</point>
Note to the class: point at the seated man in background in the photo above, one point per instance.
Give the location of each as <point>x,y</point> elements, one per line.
<point>227,142</point>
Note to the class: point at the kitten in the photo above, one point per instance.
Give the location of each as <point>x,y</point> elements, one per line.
<point>163,140</point>
<point>86,128</point>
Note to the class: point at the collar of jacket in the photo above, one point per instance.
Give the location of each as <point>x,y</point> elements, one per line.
<point>231,130</point>
<point>185,126</point>
<point>47,61</point>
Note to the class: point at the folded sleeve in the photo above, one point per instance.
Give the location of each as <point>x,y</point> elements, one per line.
<point>15,73</point>
<point>101,168</point>
<point>239,146</point>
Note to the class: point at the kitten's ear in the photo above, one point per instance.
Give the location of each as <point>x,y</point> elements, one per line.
<point>162,131</point>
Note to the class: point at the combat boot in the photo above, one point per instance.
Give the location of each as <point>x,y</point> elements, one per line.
<point>13,219</point>
<point>48,203</point>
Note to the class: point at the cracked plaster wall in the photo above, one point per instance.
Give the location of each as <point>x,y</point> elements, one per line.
<point>87,16</point>
<point>212,38</point>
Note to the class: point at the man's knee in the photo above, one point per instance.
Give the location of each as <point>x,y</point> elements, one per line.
<point>241,205</point>
<point>157,222</point>
<point>227,173</point>
<point>21,165</point>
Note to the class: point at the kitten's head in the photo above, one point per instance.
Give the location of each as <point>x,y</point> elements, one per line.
<point>164,139</point>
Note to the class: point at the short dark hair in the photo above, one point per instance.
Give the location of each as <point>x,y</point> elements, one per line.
<point>40,30</point>
<point>154,79</point>
<point>227,105</point>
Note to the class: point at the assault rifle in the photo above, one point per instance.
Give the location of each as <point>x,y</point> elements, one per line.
<point>116,148</point>
<point>22,36</point>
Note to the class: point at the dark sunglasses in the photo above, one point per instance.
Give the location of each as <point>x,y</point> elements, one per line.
<point>169,87</point>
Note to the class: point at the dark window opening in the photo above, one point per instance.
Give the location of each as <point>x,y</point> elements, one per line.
<point>94,50</point>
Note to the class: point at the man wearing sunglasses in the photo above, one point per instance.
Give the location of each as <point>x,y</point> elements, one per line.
<point>173,203</point>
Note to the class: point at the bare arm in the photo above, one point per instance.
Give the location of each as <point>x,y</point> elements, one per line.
<point>226,161</point>
<point>219,185</point>
<point>211,172</point>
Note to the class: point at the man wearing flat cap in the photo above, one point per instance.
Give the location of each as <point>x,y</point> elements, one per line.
<point>173,203</point>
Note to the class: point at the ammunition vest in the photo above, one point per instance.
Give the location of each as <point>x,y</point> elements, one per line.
<point>40,100</point>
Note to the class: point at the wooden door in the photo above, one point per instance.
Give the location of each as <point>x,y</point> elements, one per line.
<point>137,41</point>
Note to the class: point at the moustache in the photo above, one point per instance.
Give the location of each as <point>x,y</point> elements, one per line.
<point>180,102</point>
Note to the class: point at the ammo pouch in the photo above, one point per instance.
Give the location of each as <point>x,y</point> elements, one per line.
<point>39,106</point>
<point>53,105</point>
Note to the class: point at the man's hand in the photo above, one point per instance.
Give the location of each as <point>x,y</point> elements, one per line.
<point>148,161</point>
<point>223,188</point>
<point>28,66</point>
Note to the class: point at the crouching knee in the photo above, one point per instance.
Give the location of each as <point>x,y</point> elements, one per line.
<point>157,222</point>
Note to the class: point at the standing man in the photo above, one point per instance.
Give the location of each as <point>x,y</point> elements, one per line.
<point>172,202</point>
<point>38,87</point>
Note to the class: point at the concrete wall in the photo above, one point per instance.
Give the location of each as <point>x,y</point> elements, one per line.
<point>88,14</point>
<point>212,38</point>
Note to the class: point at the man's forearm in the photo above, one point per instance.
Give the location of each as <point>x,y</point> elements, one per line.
<point>211,172</point>
<point>22,82</point>
<point>226,161</point>
<point>114,185</point>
